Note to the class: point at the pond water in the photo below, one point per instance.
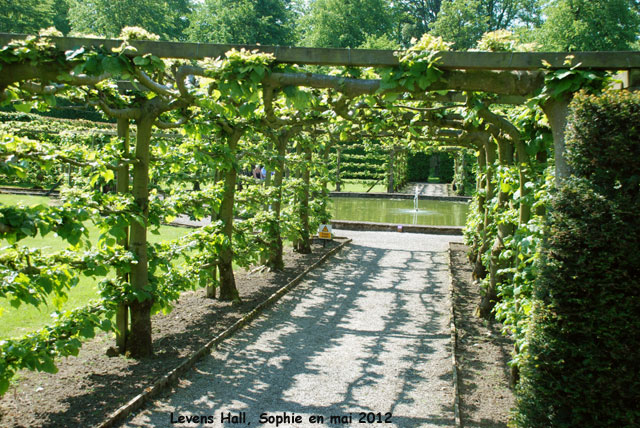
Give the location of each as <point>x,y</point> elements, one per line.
<point>400,211</point>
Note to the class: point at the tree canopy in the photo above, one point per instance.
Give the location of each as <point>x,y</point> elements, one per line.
<point>107,18</point>
<point>596,25</point>
<point>345,24</point>
<point>559,25</point>
<point>25,16</point>
<point>267,22</point>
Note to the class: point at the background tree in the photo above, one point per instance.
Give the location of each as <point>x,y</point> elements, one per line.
<point>579,25</point>
<point>413,18</point>
<point>107,18</point>
<point>25,16</point>
<point>345,23</point>
<point>268,22</point>
<point>61,17</point>
<point>503,14</point>
<point>460,22</point>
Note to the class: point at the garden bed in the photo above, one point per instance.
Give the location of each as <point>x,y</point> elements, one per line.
<point>482,353</point>
<point>91,386</point>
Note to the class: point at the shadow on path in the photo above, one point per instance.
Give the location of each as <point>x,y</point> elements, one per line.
<point>356,337</point>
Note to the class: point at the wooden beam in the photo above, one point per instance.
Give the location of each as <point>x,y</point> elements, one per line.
<point>365,57</point>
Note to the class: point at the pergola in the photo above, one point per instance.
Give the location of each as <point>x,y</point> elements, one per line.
<point>514,76</point>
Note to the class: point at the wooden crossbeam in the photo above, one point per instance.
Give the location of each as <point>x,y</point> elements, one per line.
<point>365,57</point>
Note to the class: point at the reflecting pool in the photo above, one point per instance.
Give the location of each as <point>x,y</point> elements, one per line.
<point>400,211</point>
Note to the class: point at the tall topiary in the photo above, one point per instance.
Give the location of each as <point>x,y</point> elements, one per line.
<point>583,363</point>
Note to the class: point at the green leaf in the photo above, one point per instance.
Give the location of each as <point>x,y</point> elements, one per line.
<point>23,107</point>
<point>48,366</point>
<point>141,60</point>
<point>108,175</point>
<point>87,331</point>
<point>112,65</point>
<point>4,385</point>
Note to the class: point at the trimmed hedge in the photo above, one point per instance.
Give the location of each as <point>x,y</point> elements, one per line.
<point>418,166</point>
<point>583,363</point>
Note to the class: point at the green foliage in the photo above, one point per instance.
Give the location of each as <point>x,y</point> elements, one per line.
<point>235,89</point>
<point>107,18</point>
<point>414,18</point>
<point>589,25</point>
<point>504,41</point>
<point>417,67</point>
<point>565,82</point>
<point>461,23</point>
<point>502,14</point>
<point>267,22</point>
<point>464,178</point>
<point>345,23</point>
<point>418,168</point>
<point>137,33</point>
<point>361,162</point>
<point>383,42</point>
<point>25,16</point>
<point>37,351</point>
<point>581,368</point>
<point>445,167</point>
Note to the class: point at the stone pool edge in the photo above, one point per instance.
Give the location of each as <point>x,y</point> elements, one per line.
<point>394,227</point>
<point>399,196</point>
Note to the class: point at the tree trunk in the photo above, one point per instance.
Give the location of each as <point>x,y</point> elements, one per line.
<point>275,255</point>
<point>523,168</point>
<point>390,172</point>
<point>480,183</point>
<point>304,245</point>
<point>479,270</point>
<point>338,183</point>
<point>228,290</point>
<point>140,343</point>
<point>211,287</point>
<point>505,151</point>
<point>122,187</point>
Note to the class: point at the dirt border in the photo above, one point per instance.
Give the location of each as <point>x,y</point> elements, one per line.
<point>171,377</point>
<point>481,352</point>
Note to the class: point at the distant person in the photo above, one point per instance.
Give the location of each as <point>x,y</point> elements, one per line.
<point>257,173</point>
<point>263,173</point>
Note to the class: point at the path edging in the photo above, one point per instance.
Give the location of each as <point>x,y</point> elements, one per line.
<point>454,336</point>
<point>138,401</point>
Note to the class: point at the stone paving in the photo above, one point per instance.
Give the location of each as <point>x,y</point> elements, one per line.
<point>428,189</point>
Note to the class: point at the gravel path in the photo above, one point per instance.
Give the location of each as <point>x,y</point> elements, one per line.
<point>367,332</point>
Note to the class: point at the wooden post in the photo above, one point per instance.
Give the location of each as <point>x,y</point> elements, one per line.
<point>634,79</point>
<point>556,112</point>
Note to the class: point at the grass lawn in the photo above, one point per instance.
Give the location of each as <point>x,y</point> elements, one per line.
<point>17,322</point>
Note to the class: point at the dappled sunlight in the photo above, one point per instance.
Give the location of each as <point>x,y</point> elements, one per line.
<point>368,333</point>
